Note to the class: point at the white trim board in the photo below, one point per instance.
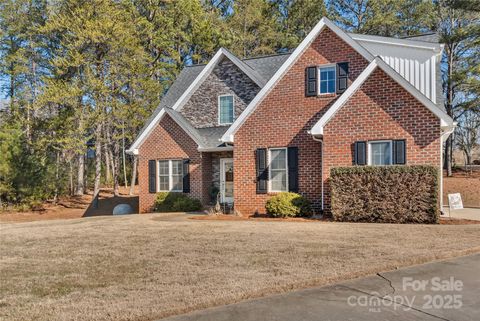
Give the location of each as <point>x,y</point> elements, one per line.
<point>437,47</point>
<point>207,70</point>
<point>445,120</point>
<point>228,137</point>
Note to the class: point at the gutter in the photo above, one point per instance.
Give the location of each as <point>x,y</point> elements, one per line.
<point>215,149</point>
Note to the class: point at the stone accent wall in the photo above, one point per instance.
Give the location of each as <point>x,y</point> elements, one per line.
<point>226,79</point>
<point>380,110</point>
<point>169,141</point>
<point>282,120</point>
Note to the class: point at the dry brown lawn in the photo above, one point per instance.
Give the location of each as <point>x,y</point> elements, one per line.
<point>143,267</point>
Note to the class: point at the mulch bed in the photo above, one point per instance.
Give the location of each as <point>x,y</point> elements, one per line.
<point>222,217</point>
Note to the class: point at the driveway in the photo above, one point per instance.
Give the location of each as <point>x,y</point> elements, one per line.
<point>444,290</point>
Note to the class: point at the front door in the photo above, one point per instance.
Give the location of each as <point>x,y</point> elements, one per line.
<point>226,180</point>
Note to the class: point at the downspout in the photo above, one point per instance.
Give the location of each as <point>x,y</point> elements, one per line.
<point>447,131</point>
<point>321,168</point>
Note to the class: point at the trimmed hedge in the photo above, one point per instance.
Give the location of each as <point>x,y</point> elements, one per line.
<point>388,194</point>
<point>175,202</point>
<point>287,204</point>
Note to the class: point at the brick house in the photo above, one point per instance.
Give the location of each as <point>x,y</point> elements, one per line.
<point>255,127</point>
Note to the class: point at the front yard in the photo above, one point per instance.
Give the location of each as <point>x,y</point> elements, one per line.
<point>142,267</point>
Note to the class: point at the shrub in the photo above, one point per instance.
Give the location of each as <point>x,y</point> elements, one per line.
<point>176,202</point>
<point>288,204</point>
<point>390,194</point>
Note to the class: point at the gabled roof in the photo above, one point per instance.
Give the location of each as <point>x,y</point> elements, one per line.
<point>445,120</point>
<point>205,138</point>
<point>324,22</point>
<point>185,125</point>
<point>403,42</point>
<point>179,94</point>
<point>426,37</point>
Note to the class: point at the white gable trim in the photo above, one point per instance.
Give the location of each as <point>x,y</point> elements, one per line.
<point>222,52</point>
<point>418,44</point>
<point>228,137</point>
<point>251,73</point>
<point>445,120</point>
<point>187,128</point>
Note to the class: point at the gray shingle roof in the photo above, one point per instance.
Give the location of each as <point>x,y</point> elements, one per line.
<point>181,83</point>
<point>268,65</point>
<point>211,135</point>
<point>264,66</point>
<point>427,37</point>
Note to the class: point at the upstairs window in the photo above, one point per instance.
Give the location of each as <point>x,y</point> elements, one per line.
<point>327,80</point>
<point>226,113</point>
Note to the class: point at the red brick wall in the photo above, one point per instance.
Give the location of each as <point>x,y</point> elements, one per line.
<point>283,119</point>
<point>169,141</point>
<point>381,109</point>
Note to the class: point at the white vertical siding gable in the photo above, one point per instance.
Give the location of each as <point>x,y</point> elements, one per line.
<point>417,64</point>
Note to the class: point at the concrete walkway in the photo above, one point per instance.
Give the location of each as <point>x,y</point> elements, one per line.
<point>468,213</point>
<point>445,290</point>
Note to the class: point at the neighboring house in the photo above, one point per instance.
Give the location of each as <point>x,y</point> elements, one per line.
<point>256,127</point>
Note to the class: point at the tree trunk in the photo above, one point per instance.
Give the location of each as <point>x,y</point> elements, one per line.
<point>98,159</point>
<point>123,157</point>
<point>116,167</point>
<point>448,156</point>
<point>57,178</point>
<point>108,174</point>
<point>80,175</point>
<point>71,176</point>
<point>134,175</point>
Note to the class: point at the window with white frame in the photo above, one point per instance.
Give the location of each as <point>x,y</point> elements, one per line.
<point>226,111</point>
<point>327,79</point>
<point>170,175</point>
<point>278,173</point>
<point>380,152</point>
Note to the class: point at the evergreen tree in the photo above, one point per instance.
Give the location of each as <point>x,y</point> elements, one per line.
<point>296,18</point>
<point>252,24</point>
<point>459,30</point>
<point>95,77</point>
<point>383,17</point>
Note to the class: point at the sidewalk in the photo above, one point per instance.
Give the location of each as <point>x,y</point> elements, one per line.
<point>468,213</point>
<point>444,290</point>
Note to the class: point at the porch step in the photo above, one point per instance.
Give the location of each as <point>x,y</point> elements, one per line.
<point>225,208</point>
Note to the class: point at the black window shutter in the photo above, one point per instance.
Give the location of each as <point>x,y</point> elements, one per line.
<point>186,176</point>
<point>360,153</point>
<point>262,170</point>
<point>293,169</point>
<point>152,176</point>
<point>311,83</point>
<point>342,77</point>
<point>399,152</point>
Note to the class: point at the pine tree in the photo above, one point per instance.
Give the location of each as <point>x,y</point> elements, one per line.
<point>459,30</point>
<point>295,19</point>
<point>252,24</point>
<point>101,75</point>
<point>383,17</point>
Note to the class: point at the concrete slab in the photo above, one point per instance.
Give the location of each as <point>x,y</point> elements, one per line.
<point>468,213</point>
<point>445,290</point>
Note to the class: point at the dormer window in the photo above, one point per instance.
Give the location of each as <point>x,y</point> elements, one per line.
<point>226,111</point>
<point>327,79</point>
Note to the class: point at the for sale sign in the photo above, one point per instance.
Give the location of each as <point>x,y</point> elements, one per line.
<point>455,201</point>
